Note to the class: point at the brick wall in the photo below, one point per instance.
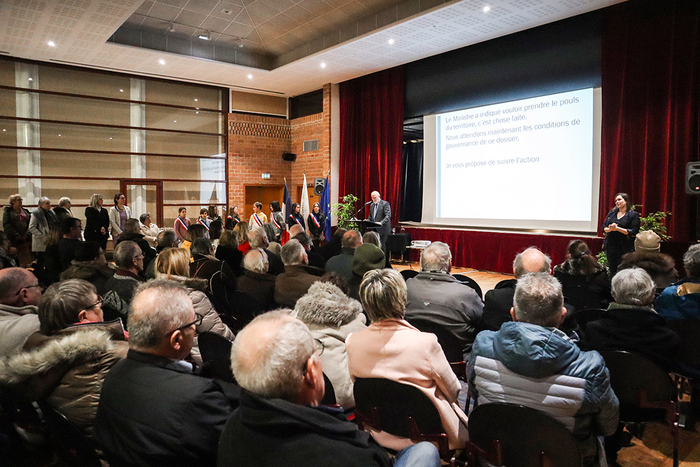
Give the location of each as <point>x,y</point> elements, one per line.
<point>256,144</point>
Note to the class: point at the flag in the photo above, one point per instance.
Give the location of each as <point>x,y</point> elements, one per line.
<point>286,210</point>
<point>304,201</point>
<point>325,203</point>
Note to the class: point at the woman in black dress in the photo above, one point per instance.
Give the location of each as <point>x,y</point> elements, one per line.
<point>620,227</point>
<point>317,224</point>
<point>295,217</point>
<point>97,221</point>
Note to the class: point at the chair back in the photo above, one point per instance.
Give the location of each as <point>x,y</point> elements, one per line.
<point>68,442</point>
<point>466,280</point>
<point>448,342</point>
<point>216,355</point>
<point>408,273</point>
<point>689,353</point>
<point>578,293</point>
<point>519,436</point>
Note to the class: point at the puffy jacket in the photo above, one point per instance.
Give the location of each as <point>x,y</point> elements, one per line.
<point>684,304</point>
<point>542,368</point>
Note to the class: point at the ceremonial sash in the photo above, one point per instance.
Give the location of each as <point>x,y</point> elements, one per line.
<point>313,217</point>
<point>201,222</point>
<point>233,218</point>
<point>179,219</point>
<point>277,226</point>
<point>257,220</point>
<point>295,219</point>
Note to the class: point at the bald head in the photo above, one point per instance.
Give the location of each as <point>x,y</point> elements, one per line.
<point>295,229</point>
<point>19,287</point>
<point>351,239</point>
<point>531,260</point>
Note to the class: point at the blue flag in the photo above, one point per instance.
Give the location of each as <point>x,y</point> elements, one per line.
<point>325,203</point>
<point>287,202</point>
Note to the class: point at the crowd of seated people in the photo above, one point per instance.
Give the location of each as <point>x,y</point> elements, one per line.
<point>115,345</point>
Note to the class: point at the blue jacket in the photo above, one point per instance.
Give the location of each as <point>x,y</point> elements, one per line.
<point>542,368</point>
<point>672,306</point>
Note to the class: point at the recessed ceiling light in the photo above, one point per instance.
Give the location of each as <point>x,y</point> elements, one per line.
<point>323,65</point>
<point>59,134</point>
<point>205,36</point>
<point>197,112</point>
<point>486,9</point>
<point>161,61</point>
<point>195,99</point>
<point>31,79</point>
<point>391,41</point>
<point>250,76</point>
<point>240,46</point>
<point>110,137</point>
<point>51,44</point>
<point>121,90</point>
<point>174,121</point>
<point>4,129</point>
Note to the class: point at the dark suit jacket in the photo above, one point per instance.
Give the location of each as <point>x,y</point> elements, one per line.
<point>276,266</point>
<point>383,215</point>
<point>497,305</point>
<point>153,412</point>
<point>292,284</point>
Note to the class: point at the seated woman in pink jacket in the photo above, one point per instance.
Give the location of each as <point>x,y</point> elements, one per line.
<point>391,348</point>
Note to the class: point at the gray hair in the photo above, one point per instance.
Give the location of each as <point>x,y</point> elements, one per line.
<point>372,237</point>
<point>201,246</point>
<point>143,217</point>
<point>125,252</point>
<point>633,286</point>
<point>272,364</point>
<point>691,260</point>
<point>12,280</point>
<point>256,260</point>
<point>63,201</point>
<point>270,232</point>
<point>132,225</point>
<point>538,299</point>
<point>159,306</point>
<point>436,257</point>
<point>258,238</point>
<point>43,200</point>
<point>292,253</point>
<point>94,199</point>
<point>166,239</point>
<point>351,239</point>
<point>383,294</point>
<point>535,259</point>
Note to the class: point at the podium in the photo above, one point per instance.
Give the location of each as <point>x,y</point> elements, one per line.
<point>363,225</point>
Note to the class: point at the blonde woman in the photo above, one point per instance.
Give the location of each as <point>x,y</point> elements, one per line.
<point>97,221</point>
<point>174,264</point>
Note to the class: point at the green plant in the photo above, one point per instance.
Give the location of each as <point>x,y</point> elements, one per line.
<point>654,221</point>
<point>345,211</point>
<point>602,258</point>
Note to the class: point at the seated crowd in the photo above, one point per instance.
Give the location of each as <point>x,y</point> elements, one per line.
<point>117,347</point>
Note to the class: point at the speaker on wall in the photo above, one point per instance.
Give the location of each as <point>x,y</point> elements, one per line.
<point>319,184</point>
<point>692,178</point>
<point>289,156</point>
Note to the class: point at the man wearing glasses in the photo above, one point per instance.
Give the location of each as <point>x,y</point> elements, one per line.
<point>19,296</point>
<point>153,410</point>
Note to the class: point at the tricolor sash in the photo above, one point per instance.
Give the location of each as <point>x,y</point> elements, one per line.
<point>201,222</point>
<point>257,220</point>
<point>295,219</point>
<point>313,218</point>
<point>182,223</point>
<point>277,226</point>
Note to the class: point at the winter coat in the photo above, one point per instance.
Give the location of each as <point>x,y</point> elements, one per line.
<point>95,273</point>
<point>40,225</point>
<point>680,300</point>
<point>67,369</point>
<point>542,368</point>
<point>331,316</point>
<point>292,284</point>
<point>17,229</point>
<point>16,324</point>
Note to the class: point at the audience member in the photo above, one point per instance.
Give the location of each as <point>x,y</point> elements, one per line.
<point>279,422</point>
<point>42,220</point>
<point>153,411</point>
<point>165,239</point>
<point>63,210</point>
<point>499,301</point>
<point>256,281</point>
<point>436,296</point>
<point>52,267</point>
<point>274,246</point>
<point>295,280</point>
<point>647,240</point>
<point>228,251</point>
<point>334,246</point>
<point>631,324</point>
<point>257,238</point>
<point>372,237</point>
<point>182,224</point>
<point>331,316</point>
<point>72,230</point>
<point>119,289</point>
<point>174,264</point>
<point>661,267</point>
<point>258,218</point>
<point>315,260</point>
<point>118,215</point>
<point>531,362</point>
<point>19,296</point>
<point>90,265</point>
<point>132,232</point>
<point>205,266</point>
<point>391,348</point>
<point>367,257</point>
<point>241,229</point>
<point>97,221</point>
<point>148,229</point>
<point>342,263</point>
<point>195,231</point>
<point>682,299</point>
<point>66,361</point>
<point>15,223</point>
<point>215,229</point>
<point>6,258</point>
<point>585,273</point>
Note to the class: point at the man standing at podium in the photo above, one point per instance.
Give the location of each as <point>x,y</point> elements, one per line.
<point>380,211</point>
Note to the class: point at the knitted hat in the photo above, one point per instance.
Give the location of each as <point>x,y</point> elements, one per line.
<point>647,241</point>
<point>87,251</point>
<point>366,258</point>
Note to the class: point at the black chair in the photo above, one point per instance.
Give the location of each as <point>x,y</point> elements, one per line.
<point>216,355</point>
<point>329,395</point>
<point>519,436</point>
<point>399,409</point>
<point>408,273</point>
<point>241,310</point>
<point>448,342</point>
<point>586,315</point>
<point>646,392</point>
<point>68,442</point>
<point>466,280</point>
<point>689,353</point>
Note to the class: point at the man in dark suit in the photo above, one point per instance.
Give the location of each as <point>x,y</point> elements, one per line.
<point>380,211</point>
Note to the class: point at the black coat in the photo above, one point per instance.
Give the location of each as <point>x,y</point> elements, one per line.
<point>274,432</point>
<point>497,305</point>
<point>94,221</point>
<point>232,256</point>
<point>153,412</point>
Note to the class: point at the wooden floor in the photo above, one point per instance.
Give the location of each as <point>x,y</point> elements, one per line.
<point>655,449</point>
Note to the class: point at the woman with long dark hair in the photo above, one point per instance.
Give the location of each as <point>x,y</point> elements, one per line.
<point>620,227</point>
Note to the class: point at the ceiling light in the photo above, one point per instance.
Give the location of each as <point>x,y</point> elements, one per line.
<point>174,121</point>
<point>250,76</point>
<point>171,27</point>
<point>121,90</point>
<point>486,9</point>
<point>161,61</point>
<point>323,65</point>
<point>391,41</point>
<point>195,100</point>
<point>4,129</point>
<point>31,79</point>
<point>51,44</point>
<point>205,36</point>
<point>197,112</point>
<point>110,137</point>
<point>240,46</point>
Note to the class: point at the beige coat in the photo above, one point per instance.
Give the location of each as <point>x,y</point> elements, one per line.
<point>395,350</point>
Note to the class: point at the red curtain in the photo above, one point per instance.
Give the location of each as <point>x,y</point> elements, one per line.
<point>371,137</point>
<point>651,60</point>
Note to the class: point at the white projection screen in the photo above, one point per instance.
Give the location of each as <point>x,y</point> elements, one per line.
<point>530,164</point>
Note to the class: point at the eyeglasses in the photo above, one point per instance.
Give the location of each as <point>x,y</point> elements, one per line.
<point>30,287</point>
<point>196,322</point>
<point>99,303</point>
<point>319,347</point>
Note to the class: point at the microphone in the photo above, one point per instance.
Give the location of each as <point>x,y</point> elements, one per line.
<point>368,202</point>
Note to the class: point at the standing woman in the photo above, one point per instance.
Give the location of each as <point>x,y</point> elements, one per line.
<point>97,222</point>
<point>182,224</point>
<point>15,223</point>
<point>40,225</point>
<point>295,216</point>
<point>232,220</point>
<point>118,215</point>
<point>620,227</point>
<point>277,220</point>
<point>317,224</point>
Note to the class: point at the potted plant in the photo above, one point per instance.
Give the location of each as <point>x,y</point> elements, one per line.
<point>653,221</point>
<point>345,211</point>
